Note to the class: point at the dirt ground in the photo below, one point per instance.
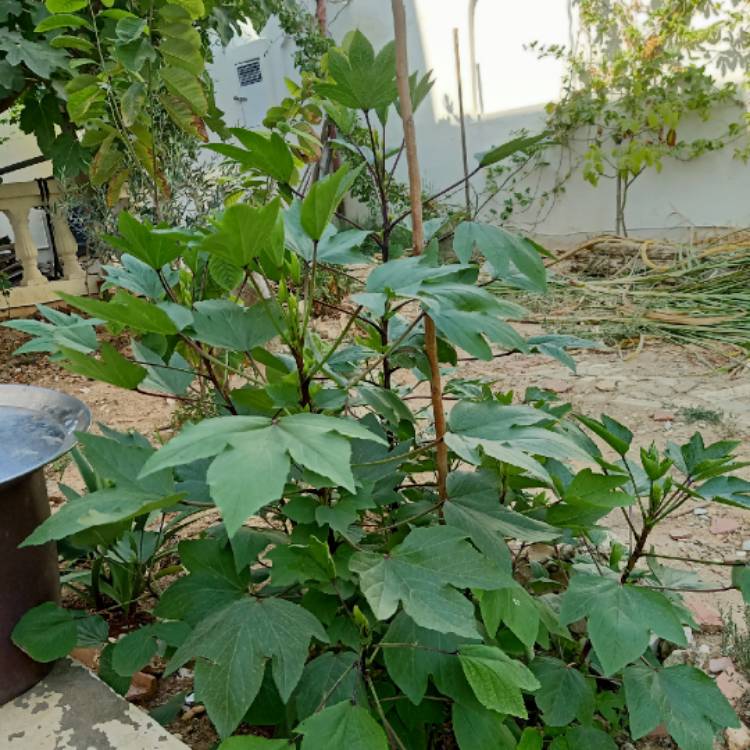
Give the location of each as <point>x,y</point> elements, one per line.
<point>663,393</point>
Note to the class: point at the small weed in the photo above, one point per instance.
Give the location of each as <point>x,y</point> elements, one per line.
<point>59,465</point>
<point>692,414</point>
<point>735,640</point>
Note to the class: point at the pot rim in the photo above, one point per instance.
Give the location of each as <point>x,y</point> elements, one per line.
<point>67,412</point>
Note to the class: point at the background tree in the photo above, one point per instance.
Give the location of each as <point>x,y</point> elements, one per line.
<point>640,73</point>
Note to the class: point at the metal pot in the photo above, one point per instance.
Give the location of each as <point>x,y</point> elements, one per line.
<point>37,426</point>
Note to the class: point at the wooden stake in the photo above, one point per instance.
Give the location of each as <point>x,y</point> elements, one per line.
<point>464,155</point>
<point>415,198</point>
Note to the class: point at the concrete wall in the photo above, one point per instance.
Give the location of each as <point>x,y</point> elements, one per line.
<point>515,86</point>
<point>508,92</point>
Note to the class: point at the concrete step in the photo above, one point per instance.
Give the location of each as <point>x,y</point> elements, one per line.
<point>72,709</point>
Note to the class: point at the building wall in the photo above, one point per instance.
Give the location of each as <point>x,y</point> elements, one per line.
<point>515,86</point>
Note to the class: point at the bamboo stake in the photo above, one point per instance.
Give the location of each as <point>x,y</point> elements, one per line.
<point>415,198</point>
<point>461,118</point>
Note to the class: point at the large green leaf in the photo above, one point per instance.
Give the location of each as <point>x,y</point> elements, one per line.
<point>249,742</point>
<point>478,728</point>
<point>173,377</point>
<point>327,680</point>
<point>683,698</point>
<point>97,509</point>
<point>514,607</point>
<point>245,232</point>
<point>467,315</point>
<point>474,507</point>
<point>138,277</point>
<point>361,79</point>
<point>503,431</point>
<point>254,455</point>
<point>187,86</point>
<point>269,154</point>
<point>334,247</point>
<point>69,331</point>
<point>38,57</point>
<point>421,654</point>
<point>615,435</point>
<point>126,310</point>
<point>589,497</point>
<point>46,633</point>
<point>65,6</point>
<point>231,648</point>
<point>621,618</point>
<point>497,680</point>
<point>504,251</point>
<point>120,462</point>
<point>322,200</point>
<point>150,246</point>
<point>223,323</point>
<point>424,573</point>
<point>558,679</point>
<point>343,725</point>
<point>727,490</point>
<point>111,367</point>
<point>525,143</point>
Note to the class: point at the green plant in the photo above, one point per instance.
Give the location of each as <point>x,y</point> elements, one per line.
<point>91,80</point>
<point>383,594</point>
<point>735,639</point>
<point>118,562</point>
<point>693,414</point>
<point>639,76</point>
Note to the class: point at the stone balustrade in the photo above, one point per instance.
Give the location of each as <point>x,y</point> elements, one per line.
<point>16,201</point>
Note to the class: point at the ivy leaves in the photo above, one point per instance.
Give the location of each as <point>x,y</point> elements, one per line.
<point>424,573</point>
<point>253,457</point>
<point>231,648</point>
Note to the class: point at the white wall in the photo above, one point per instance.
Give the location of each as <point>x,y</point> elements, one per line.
<point>710,192</point>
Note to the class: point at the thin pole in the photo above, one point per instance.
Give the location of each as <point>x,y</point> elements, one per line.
<point>464,155</point>
<point>415,198</point>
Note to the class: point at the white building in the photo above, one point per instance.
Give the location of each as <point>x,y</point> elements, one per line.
<point>505,88</point>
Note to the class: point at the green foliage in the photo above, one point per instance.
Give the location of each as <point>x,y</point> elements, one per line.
<point>637,78</point>
<point>353,593</point>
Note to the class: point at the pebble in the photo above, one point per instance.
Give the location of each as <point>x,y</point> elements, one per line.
<point>746,545</point>
<point>721,664</point>
<point>724,526</point>
<point>678,656</point>
<point>738,739</point>
<point>191,713</point>
<point>605,385</point>
<point>662,416</point>
<point>740,554</point>
<point>732,684</point>
<point>700,512</point>
<point>708,619</point>
<point>142,687</point>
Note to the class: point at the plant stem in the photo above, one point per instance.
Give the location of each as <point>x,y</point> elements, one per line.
<point>393,739</point>
<point>415,196</point>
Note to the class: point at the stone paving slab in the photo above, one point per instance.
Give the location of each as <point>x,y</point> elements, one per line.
<point>72,709</point>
